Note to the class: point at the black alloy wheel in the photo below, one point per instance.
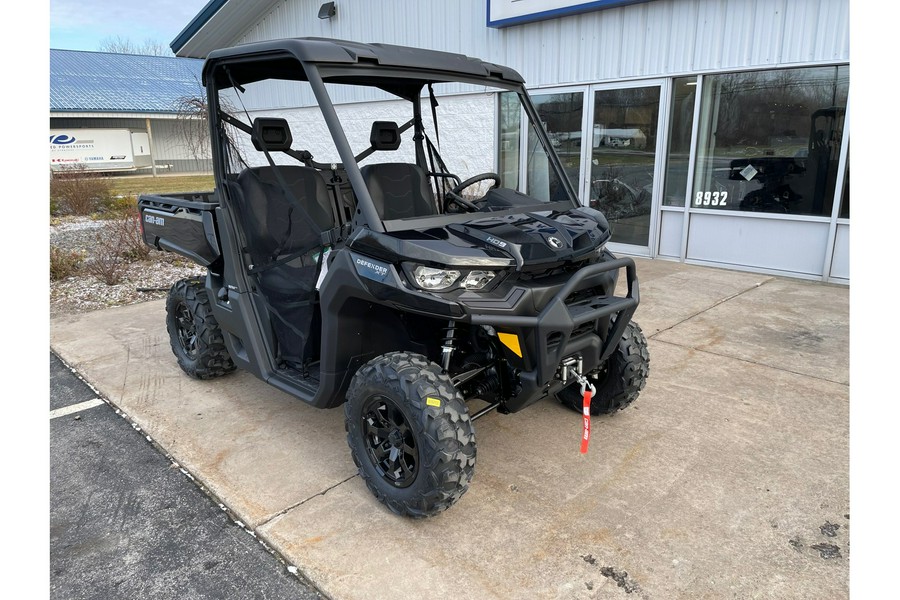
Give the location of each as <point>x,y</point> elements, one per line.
<point>186,331</point>
<point>409,434</point>
<point>389,441</point>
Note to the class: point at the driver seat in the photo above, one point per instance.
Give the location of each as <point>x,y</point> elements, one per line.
<point>399,190</point>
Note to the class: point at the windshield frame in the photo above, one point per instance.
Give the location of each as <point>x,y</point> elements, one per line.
<point>387,79</point>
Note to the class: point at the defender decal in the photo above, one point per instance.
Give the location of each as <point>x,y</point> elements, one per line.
<point>371,268</point>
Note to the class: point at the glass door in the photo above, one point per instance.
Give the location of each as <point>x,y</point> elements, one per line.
<point>624,136</point>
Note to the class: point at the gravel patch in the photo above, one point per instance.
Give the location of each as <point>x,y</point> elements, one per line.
<point>142,281</point>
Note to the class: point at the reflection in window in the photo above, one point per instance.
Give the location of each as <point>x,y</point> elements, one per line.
<point>623,158</point>
<point>769,141</point>
<point>684,92</point>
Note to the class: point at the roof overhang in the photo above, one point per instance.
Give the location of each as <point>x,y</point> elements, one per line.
<point>217,25</point>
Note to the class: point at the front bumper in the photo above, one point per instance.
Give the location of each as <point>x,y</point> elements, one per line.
<point>587,324</point>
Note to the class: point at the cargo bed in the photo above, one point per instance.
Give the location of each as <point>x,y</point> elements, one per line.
<point>182,223</point>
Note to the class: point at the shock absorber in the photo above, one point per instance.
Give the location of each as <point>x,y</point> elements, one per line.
<point>447,344</point>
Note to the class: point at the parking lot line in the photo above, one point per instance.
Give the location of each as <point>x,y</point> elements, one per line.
<point>74,408</point>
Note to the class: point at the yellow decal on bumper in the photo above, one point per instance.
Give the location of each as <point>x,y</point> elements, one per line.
<point>511,341</point>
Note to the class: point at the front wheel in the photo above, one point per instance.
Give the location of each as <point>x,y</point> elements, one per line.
<point>621,379</point>
<point>409,434</point>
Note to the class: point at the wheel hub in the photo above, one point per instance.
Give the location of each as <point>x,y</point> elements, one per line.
<point>396,438</point>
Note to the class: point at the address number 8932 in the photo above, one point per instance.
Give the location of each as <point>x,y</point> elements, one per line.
<point>711,199</point>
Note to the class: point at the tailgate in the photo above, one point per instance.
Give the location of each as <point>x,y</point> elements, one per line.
<point>181,223</point>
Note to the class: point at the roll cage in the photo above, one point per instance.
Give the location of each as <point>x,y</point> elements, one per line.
<point>392,69</point>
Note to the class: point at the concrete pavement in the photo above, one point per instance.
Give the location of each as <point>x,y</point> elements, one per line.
<point>728,478</point>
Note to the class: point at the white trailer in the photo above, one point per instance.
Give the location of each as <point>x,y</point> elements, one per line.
<point>99,149</point>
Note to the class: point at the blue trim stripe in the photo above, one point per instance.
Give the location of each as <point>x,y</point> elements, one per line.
<point>206,13</point>
<point>557,12</point>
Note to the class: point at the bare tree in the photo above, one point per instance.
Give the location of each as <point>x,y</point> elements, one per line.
<point>192,117</point>
<point>119,45</point>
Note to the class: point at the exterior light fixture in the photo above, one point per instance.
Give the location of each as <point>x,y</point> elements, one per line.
<point>327,10</point>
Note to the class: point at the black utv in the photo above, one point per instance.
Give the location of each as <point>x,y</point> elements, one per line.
<point>350,262</point>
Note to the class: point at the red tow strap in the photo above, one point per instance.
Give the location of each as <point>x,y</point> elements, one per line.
<point>586,436</point>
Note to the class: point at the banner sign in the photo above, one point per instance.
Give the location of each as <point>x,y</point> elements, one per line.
<point>503,13</point>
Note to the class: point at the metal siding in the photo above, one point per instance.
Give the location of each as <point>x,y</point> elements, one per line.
<point>651,39</point>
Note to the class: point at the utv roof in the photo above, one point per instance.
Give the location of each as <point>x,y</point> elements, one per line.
<point>323,51</point>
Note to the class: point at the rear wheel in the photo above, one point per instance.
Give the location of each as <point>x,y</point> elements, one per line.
<point>194,334</point>
<point>409,434</point>
<point>621,379</point>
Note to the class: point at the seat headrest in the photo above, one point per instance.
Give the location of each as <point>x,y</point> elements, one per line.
<point>270,133</point>
<point>385,135</point>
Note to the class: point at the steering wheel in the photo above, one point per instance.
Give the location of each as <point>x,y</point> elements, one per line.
<point>454,196</point>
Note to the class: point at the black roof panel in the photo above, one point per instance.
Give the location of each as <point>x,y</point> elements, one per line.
<point>338,52</point>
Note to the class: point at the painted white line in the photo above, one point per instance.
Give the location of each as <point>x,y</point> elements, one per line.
<point>68,410</point>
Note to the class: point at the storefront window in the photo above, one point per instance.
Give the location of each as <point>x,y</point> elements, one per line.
<point>684,92</point>
<point>769,141</point>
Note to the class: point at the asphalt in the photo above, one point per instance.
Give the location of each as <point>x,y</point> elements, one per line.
<point>728,478</point>
<point>126,522</point>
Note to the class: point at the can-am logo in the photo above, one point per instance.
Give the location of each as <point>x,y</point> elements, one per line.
<point>554,242</point>
<point>62,139</point>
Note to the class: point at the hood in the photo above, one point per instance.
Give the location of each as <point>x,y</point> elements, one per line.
<point>520,240</point>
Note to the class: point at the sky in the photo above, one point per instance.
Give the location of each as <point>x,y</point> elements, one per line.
<point>84,24</point>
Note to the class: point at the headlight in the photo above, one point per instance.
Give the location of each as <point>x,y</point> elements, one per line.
<point>476,280</point>
<point>435,279</point>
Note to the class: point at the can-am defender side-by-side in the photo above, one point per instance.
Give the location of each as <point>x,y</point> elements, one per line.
<point>349,262</point>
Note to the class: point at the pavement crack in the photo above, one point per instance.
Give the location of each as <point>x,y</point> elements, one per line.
<point>712,306</point>
<point>286,510</point>
<point>751,362</point>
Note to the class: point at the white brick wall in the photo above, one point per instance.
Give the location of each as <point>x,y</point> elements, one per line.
<point>467,125</point>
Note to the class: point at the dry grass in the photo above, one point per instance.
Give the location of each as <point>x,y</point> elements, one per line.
<point>164,184</point>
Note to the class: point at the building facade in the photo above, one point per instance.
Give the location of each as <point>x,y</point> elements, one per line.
<point>712,132</point>
<point>152,97</point>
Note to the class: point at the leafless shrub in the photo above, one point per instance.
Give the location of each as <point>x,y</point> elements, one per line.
<point>107,265</point>
<point>64,263</point>
<point>118,243</point>
<point>125,228</point>
<point>77,191</point>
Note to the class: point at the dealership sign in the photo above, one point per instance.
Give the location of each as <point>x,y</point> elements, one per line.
<point>503,13</point>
